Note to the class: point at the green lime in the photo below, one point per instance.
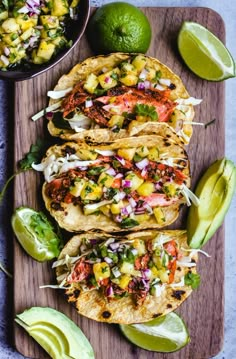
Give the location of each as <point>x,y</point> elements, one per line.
<point>204,53</point>
<point>119,26</point>
<point>36,234</point>
<point>164,334</point>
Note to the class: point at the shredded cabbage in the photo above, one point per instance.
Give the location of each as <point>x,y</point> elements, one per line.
<point>189,195</point>
<point>188,101</point>
<point>41,113</point>
<point>59,94</point>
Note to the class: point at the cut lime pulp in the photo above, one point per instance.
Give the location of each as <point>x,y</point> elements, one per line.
<point>164,334</point>
<point>204,53</point>
<point>35,233</point>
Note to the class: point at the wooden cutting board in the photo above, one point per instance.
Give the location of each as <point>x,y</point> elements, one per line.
<point>203,312</point>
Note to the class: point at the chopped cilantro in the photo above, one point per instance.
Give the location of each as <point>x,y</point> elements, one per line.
<point>146,110</point>
<point>96,171</point>
<point>192,279</point>
<point>128,223</point>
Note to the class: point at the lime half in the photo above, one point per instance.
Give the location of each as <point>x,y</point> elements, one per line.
<point>204,53</point>
<point>36,234</point>
<point>164,334</point>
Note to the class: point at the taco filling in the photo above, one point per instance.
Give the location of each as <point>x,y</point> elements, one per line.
<point>138,269</point>
<point>123,96</point>
<point>128,185</point>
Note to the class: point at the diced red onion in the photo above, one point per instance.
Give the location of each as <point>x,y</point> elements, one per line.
<point>111,171</point>
<point>144,172</point>
<point>114,246</point>
<point>49,115</point>
<point>120,159</point>
<point>119,175</point>
<point>165,82</point>
<point>132,202</point>
<point>142,164</point>
<point>118,218</point>
<point>126,210</point>
<point>159,87</point>
<point>143,74</point>
<point>6,51</point>
<point>145,284</point>
<point>126,183</point>
<point>134,251</point>
<point>83,168</point>
<point>107,79</point>
<point>119,196</point>
<point>158,185</point>
<point>23,10</point>
<point>146,273</point>
<point>88,103</point>
<point>147,84</point>
<point>93,241</point>
<point>108,260</point>
<point>141,86</point>
<point>109,291</point>
<point>148,208</point>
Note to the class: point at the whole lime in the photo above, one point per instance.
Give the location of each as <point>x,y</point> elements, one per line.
<point>119,26</point>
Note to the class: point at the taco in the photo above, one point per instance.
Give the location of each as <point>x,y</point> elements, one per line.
<point>120,95</point>
<point>127,279</point>
<point>136,183</point>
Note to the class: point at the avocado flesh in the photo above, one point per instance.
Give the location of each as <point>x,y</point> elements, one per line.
<point>47,342</point>
<point>37,320</point>
<point>215,191</point>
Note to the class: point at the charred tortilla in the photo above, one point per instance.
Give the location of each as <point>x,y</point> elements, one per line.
<point>132,183</point>
<point>118,96</point>
<point>126,279</point>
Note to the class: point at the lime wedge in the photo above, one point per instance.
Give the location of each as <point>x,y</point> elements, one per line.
<point>164,334</point>
<point>36,234</point>
<point>204,53</point>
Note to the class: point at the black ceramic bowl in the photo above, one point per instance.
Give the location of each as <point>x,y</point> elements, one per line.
<point>74,32</point>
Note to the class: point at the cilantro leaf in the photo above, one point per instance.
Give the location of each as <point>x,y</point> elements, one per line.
<point>34,155</point>
<point>192,279</point>
<point>146,110</point>
<point>128,223</point>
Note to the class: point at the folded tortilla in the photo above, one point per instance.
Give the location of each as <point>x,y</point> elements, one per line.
<point>131,85</point>
<point>94,188</point>
<point>146,294</point>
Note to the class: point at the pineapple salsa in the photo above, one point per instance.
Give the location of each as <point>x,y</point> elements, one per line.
<point>128,185</point>
<point>33,31</point>
<point>127,267</point>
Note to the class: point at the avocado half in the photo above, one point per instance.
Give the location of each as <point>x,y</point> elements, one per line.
<point>56,333</point>
<point>215,191</point>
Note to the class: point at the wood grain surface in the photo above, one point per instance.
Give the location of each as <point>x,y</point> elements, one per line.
<point>203,312</point>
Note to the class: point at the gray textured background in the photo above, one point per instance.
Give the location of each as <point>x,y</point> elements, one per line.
<point>227,9</point>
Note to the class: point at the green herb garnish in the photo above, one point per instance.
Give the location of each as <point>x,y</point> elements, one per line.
<point>146,110</point>
<point>192,279</point>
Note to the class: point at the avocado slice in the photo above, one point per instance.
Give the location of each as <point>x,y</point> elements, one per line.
<point>215,191</point>
<point>60,333</point>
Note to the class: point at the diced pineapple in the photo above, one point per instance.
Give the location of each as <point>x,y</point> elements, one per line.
<point>36,59</point>
<point>146,189</point>
<point>128,268</point>
<point>116,120</point>
<point>170,189</point>
<point>105,180</point>
<point>27,34</point>
<point>141,118</point>
<point>142,151</point>
<point>10,25</point>
<point>45,50</point>
<point>126,153</point>
<point>59,7</point>
<point>151,73</point>
<point>129,79</point>
<point>128,68</point>
<point>26,21</point>
<point>139,62</point>
<point>49,21</point>
<point>140,246</point>
<point>76,189</point>
<point>109,79</point>
<point>101,271</point>
<point>159,215</point>
<point>154,273</point>
<point>91,83</point>
<point>124,281</point>
<point>106,210</point>
<point>116,207</point>
<point>3,15</point>
<point>11,39</point>
<point>136,181</point>
<point>85,154</point>
<point>157,261</point>
<point>74,3</point>
<point>163,275</point>
<point>91,192</point>
<point>153,154</point>
<point>140,218</point>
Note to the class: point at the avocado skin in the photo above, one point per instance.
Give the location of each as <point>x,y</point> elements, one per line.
<point>56,333</point>
<point>215,191</point>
